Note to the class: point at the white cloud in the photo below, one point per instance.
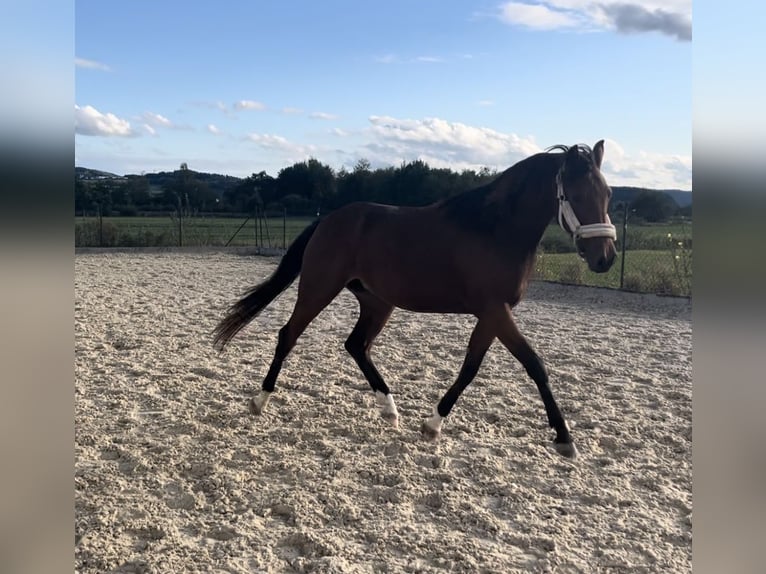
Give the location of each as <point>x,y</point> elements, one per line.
<point>339,132</point>
<point>485,103</point>
<point>213,129</point>
<point>90,122</point>
<point>150,130</point>
<point>249,105</point>
<point>669,17</point>
<point>292,111</point>
<point>386,59</point>
<point>290,150</point>
<point>646,169</point>
<point>429,59</point>
<point>218,105</point>
<point>157,120</point>
<point>445,144</point>
<point>268,140</point>
<point>537,16</point>
<point>322,116</point>
<point>91,65</point>
<point>459,146</point>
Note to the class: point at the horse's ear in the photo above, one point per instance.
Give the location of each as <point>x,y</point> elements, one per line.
<point>598,153</point>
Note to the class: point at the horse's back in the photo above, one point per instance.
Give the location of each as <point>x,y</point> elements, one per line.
<point>334,246</point>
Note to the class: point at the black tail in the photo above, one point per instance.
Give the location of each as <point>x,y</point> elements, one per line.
<point>257,298</point>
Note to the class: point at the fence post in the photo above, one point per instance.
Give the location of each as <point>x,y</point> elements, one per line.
<point>266,226</point>
<point>100,227</point>
<point>180,222</point>
<point>624,242</point>
<point>255,223</point>
<point>261,242</point>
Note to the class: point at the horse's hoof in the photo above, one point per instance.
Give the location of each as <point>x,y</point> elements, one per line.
<point>566,449</point>
<point>430,434</point>
<point>259,402</point>
<point>391,418</point>
<point>387,408</point>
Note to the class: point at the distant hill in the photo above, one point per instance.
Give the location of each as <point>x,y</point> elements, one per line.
<point>683,198</point>
<point>87,174</point>
<point>215,182</point>
<point>622,193</point>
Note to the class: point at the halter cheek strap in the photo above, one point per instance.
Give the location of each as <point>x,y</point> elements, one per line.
<point>567,214</point>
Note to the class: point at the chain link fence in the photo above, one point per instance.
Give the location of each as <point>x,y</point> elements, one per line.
<point>262,229</point>
<point>654,258</point>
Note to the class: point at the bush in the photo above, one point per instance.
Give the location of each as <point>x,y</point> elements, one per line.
<point>95,234</point>
<point>660,281</point>
<point>571,272</point>
<point>146,238</point>
<point>557,244</point>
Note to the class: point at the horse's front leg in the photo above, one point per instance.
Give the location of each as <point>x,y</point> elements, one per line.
<point>514,341</point>
<point>480,341</point>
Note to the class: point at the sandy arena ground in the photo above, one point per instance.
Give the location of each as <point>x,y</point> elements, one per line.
<point>173,475</point>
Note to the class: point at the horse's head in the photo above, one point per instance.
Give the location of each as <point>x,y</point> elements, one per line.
<point>583,197</point>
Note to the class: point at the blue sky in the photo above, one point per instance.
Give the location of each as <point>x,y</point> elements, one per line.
<point>237,87</point>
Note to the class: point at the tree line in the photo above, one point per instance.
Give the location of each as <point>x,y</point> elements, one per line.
<point>307,188</point>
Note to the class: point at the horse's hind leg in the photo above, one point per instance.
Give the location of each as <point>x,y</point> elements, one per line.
<point>373,314</point>
<point>313,296</point>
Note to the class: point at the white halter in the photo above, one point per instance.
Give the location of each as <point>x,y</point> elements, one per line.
<point>566,213</point>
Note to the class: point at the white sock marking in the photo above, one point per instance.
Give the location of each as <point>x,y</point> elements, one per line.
<point>261,400</point>
<point>387,405</point>
<point>435,421</point>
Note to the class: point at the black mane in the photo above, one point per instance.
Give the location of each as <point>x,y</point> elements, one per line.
<point>469,208</point>
<point>477,211</point>
<point>585,161</point>
<point>482,209</point>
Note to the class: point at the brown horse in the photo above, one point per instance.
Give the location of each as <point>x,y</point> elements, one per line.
<point>471,253</point>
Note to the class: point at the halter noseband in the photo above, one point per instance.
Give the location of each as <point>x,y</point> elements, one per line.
<point>566,213</point>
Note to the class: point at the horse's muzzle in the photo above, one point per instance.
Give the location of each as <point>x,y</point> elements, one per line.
<point>599,253</point>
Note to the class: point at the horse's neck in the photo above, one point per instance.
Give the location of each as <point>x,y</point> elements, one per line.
<point>533,213</point>
<point>525,233</point>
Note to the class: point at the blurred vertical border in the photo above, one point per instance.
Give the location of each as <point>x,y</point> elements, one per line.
<point>36,286</point>
<point>729,404</point>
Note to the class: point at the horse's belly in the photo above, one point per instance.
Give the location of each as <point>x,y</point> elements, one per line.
<point>430,304</point>
<point>419,292</point>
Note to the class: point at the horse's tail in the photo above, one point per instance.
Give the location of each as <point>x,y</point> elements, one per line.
<point>257,298</point>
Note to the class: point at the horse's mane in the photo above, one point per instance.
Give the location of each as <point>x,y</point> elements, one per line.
<point>481,209</point>
<point>584,161</point>
<point>468,209</point>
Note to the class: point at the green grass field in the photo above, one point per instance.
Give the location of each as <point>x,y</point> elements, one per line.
<point>653,263</point>
<point>664,272</point>
<point>645,237</point>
